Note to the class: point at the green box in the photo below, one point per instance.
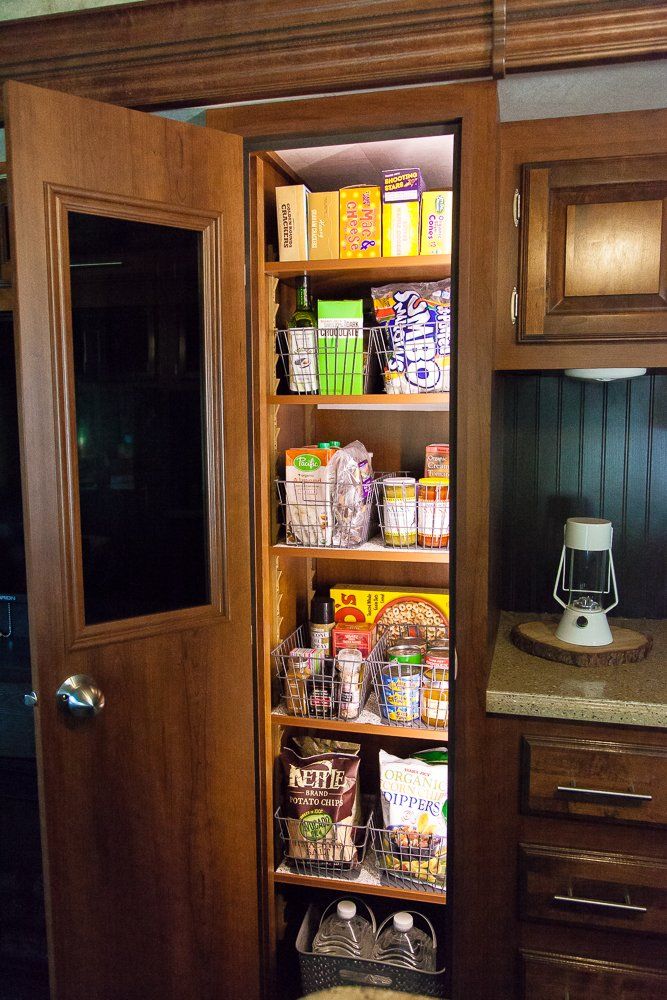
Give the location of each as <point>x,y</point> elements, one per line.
<point>340,347</point>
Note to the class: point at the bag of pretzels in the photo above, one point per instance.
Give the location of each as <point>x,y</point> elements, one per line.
<point>321,803</point>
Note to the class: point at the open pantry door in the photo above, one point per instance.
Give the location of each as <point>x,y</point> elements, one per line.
<point>128,242</point>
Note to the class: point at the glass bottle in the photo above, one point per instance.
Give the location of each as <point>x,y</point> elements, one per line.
<point>302,342</point>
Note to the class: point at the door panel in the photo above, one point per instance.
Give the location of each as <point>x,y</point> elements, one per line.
<point>148,809</point>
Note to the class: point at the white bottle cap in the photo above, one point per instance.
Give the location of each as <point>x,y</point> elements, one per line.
<point>346,909</point>
<point>403,921</point>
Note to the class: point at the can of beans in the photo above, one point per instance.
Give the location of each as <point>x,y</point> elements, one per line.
<point>438,656</point>
<point>405,652</point>
<point>399,695</point>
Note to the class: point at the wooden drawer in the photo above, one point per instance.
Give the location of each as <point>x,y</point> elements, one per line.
<point>613,782</point>
<point>548,976</point>
<point>594,889</point>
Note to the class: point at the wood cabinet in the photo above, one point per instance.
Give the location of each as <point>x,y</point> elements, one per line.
<point>548,976</point>
<point>582,255</point>
<point>593,259</point>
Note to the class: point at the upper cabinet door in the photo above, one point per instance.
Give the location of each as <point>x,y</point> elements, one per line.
<point>593,262</point>
<point>131,347</point>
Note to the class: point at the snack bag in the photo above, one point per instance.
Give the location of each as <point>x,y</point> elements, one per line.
<point>415,322</point>
<point>321,801</point>
<point>352,494</point>
<point>414,812</point>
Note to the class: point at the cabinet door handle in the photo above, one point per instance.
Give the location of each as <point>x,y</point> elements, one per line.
<point>601,904</point>
<point>630,796</point>
<point>514,306</point>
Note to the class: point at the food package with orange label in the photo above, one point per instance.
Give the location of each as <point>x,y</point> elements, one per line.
<point>360,222</point>
<point>393,610</point>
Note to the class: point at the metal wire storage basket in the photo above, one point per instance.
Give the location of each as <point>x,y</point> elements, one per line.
<point>408,368</point>
<point>412,514</point>
<point>323,687</point>
<point>325,361</point>
<point>408,693</point>
<point>410,859</point>
<point>339,853</point>
<point>325,515</point>
<point>325,972</point>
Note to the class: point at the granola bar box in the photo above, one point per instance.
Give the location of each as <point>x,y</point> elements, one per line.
<point>387,607</point>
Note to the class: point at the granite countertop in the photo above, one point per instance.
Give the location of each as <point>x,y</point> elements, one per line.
<point>362,993</point>
<point>634,694</point>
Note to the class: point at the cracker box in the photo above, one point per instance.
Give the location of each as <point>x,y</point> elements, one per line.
<point>436,224</point>
<point>400,229</point>
<point>340,346</point>
<point>292,211</point>
<point>386,607</point>
<point>360,222</point>
<point>323,226</point>
<point>402,185</point>
<point>354,635</point>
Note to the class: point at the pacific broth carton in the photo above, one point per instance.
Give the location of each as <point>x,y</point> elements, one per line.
<point>309,495</point>
<point>360,222</point>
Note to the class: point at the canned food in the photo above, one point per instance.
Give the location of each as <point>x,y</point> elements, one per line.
<point>435,696</point>
<point>438,656</point>
<point>433,513</point>
<point>400,510</point>
<point>405,652</point>
<point>401,683</point>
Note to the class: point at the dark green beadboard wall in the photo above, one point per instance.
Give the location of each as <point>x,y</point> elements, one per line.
<point>582,448</point>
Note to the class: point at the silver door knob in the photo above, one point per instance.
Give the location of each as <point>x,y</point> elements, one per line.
<point>81,696</point>
<point>30,699</point>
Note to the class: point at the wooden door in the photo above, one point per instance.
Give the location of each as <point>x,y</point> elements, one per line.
<point>128,243</point>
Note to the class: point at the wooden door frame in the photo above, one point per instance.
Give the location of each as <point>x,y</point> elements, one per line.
<point>474,107</point>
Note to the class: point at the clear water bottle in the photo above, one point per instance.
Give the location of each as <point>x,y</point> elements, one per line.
<point>344,932</point>
<point>401,943</point>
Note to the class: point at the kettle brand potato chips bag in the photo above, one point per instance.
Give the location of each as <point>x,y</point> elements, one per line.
<point>322,799</point>
<point>414,810</point>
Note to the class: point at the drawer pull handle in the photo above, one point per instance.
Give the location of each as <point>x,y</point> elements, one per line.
<point>603,904</point>
<point>630,796</point>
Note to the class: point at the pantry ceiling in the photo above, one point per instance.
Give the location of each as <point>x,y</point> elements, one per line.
<point>325,168</point>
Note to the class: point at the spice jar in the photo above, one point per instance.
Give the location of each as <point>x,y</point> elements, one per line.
<point>433,512</point>
<point>400,510</point>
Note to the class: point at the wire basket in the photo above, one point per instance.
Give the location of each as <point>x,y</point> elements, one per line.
<point>325,361</point>
<point>414,367</point>
<point>325,515</point>
<point>326,972</point>
<point>338,853</point>
<point>412,514</point>
<point>410,859</point>
<point>407,693</point>
<point>323,687</point>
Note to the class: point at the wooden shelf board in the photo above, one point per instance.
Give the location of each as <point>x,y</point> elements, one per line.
<point>429,268</point>
<point>369,551</point>
<point>375,401</point>
<point>368,881</point>
<point>369,723</point>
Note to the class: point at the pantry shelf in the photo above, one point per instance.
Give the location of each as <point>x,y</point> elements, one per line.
<point>372,401</point>
<point>368,881</point>
<point>368,724</point>
<point>370,269</point>
<point>373,551</point>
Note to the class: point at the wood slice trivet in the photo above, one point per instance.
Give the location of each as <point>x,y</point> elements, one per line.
<point>539,639</point>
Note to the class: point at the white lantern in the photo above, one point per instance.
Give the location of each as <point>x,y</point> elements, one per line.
<point>586,576</point>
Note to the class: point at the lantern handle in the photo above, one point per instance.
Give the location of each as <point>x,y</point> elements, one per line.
<point>613,577</point>
<point>560,566</point>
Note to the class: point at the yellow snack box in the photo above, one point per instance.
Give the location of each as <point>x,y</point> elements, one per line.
<point>386,607</point>
<point>400,229</point>
<point>436,226</point>
<point>360,222</point>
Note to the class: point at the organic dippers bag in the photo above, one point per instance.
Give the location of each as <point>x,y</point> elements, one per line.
<point>321,801</point>
<point>414,811</point>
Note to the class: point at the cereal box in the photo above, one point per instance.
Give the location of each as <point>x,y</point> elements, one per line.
<point>292,211</point>
<point>402,185</point>
<point>386,607</point>
<point>323,225</point>
<point>354,635</point>
<point>400,229</point>
<point>360,222</point>
<point>436,227</point>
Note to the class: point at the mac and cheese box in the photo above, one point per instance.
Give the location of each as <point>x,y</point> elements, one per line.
<point>323,227</point>
<point>436,225</point>
<point>292,211</point>
<point>360,222</point>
